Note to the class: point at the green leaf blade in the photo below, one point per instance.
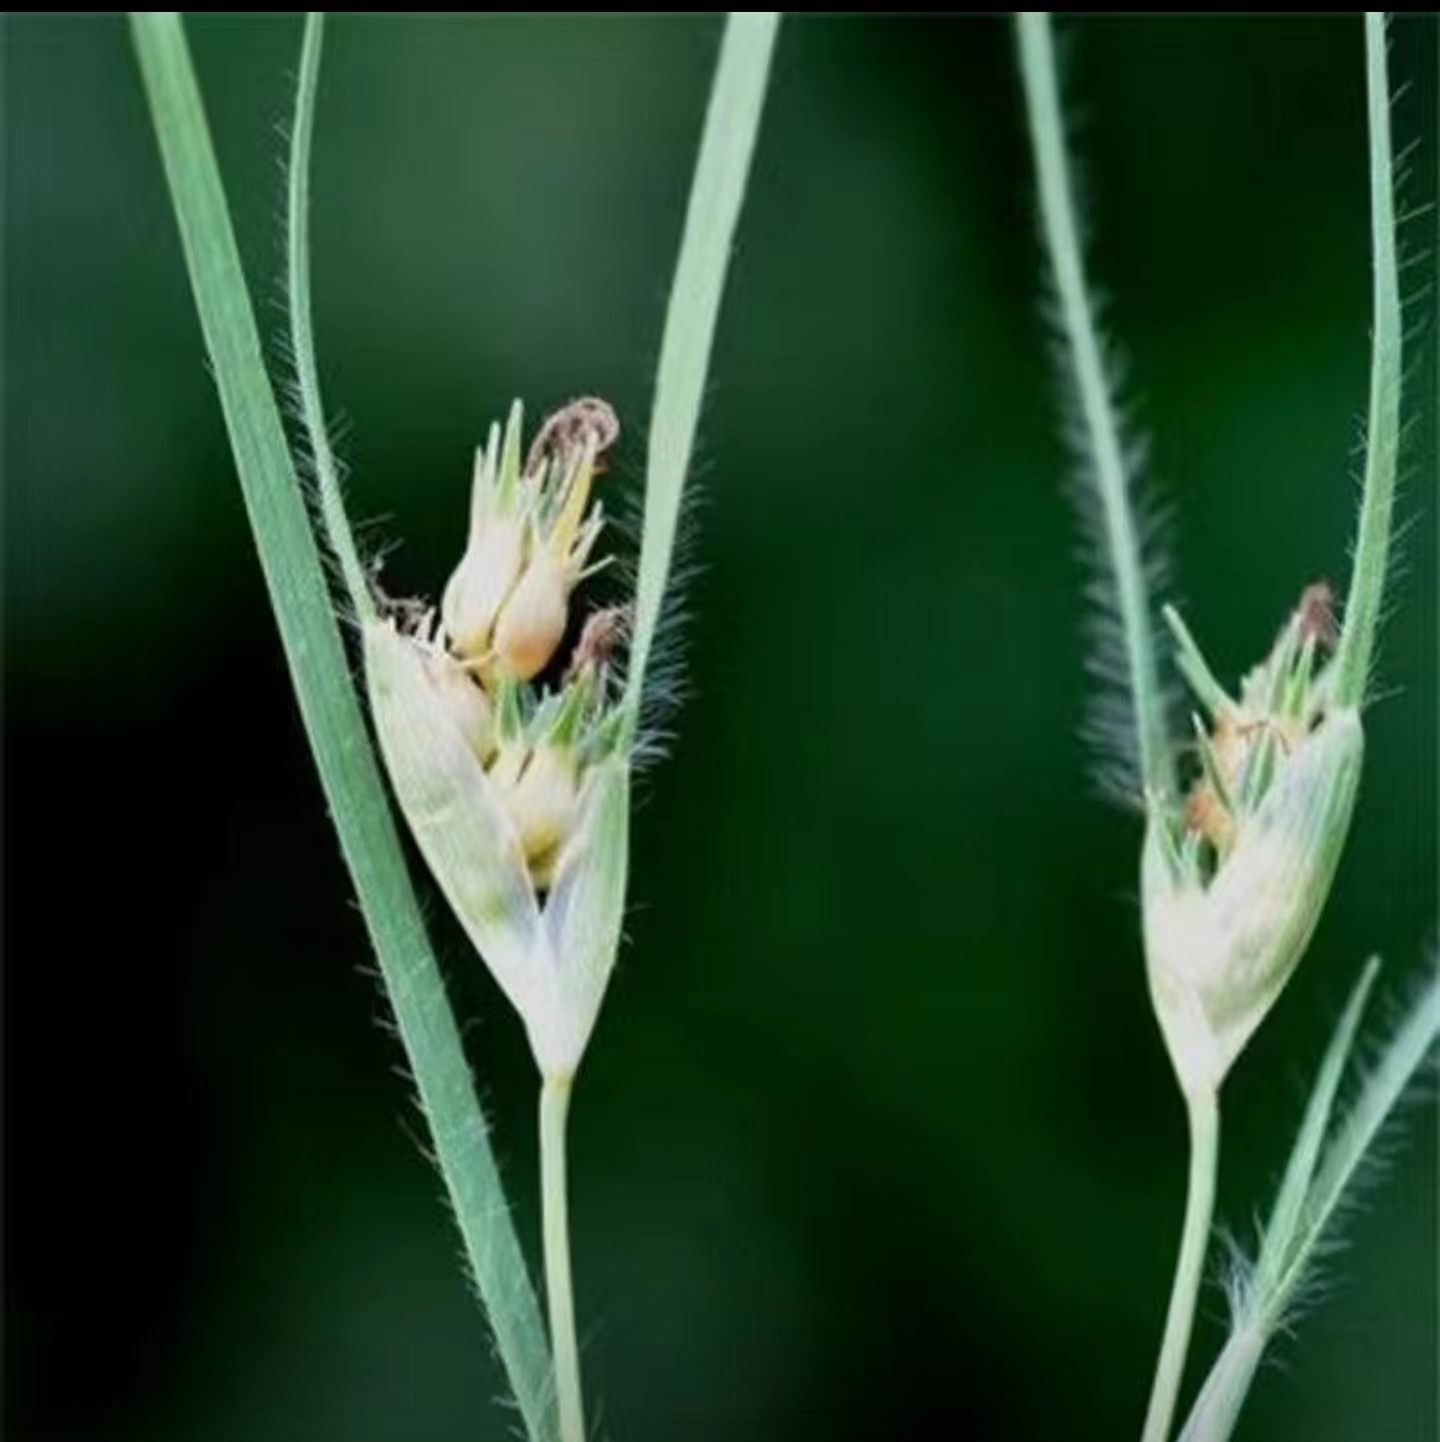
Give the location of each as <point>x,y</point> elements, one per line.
<point>732,122</point>
<point>333,722</point>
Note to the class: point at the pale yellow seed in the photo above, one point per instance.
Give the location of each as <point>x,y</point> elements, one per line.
<point>531,624</point>
<point>485,576</point>
<point>544,806</point>
<point>466,702</point>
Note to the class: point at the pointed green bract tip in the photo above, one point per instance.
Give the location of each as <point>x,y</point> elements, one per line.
<point>508,477</point>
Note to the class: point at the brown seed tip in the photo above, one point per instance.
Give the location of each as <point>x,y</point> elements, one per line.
<point>1205,813</point>
<point>411,615</point>
<point>566,432</point>
<point>599,637</point>
<point>1316,614</point>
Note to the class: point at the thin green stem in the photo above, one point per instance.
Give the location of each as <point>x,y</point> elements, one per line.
<point>1204,1117</point>
<point>320,674</point>
<point>1057,207</point>
<point>559,1291</point>
<point>731,124</point>
<point>302,330</point>
<point>1372,542</point>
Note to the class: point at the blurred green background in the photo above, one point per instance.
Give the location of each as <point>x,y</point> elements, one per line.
<point>877,1137</point>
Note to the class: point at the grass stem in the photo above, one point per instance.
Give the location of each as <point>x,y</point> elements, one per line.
<point>1204,1117</point>
<point>559,1290</point>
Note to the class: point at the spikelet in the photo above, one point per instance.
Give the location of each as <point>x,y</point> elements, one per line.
<point>1234,882</point>
<point>506,606</point>
<point>518,800</point>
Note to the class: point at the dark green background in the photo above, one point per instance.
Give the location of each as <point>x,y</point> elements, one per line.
<point>876,1137</point>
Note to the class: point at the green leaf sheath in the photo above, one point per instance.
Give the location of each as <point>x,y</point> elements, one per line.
<point>295,578</point>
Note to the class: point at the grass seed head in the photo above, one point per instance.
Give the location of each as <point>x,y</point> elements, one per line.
<point>1234,880</point>
<point>506,606</point>
<point>517,792</point>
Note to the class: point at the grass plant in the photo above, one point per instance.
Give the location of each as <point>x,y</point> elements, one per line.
<point>518,795</point>
<point>1241,850</point>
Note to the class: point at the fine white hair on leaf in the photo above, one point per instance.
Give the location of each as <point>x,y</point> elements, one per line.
<point>1129,725</point>
<point>316,438</point>
<point>1355,658</point>
<point>1109,727</point>
<point>691,314</point>
<point>665,687</point>
<point>1328,1172</point>
<point>290,393</point>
